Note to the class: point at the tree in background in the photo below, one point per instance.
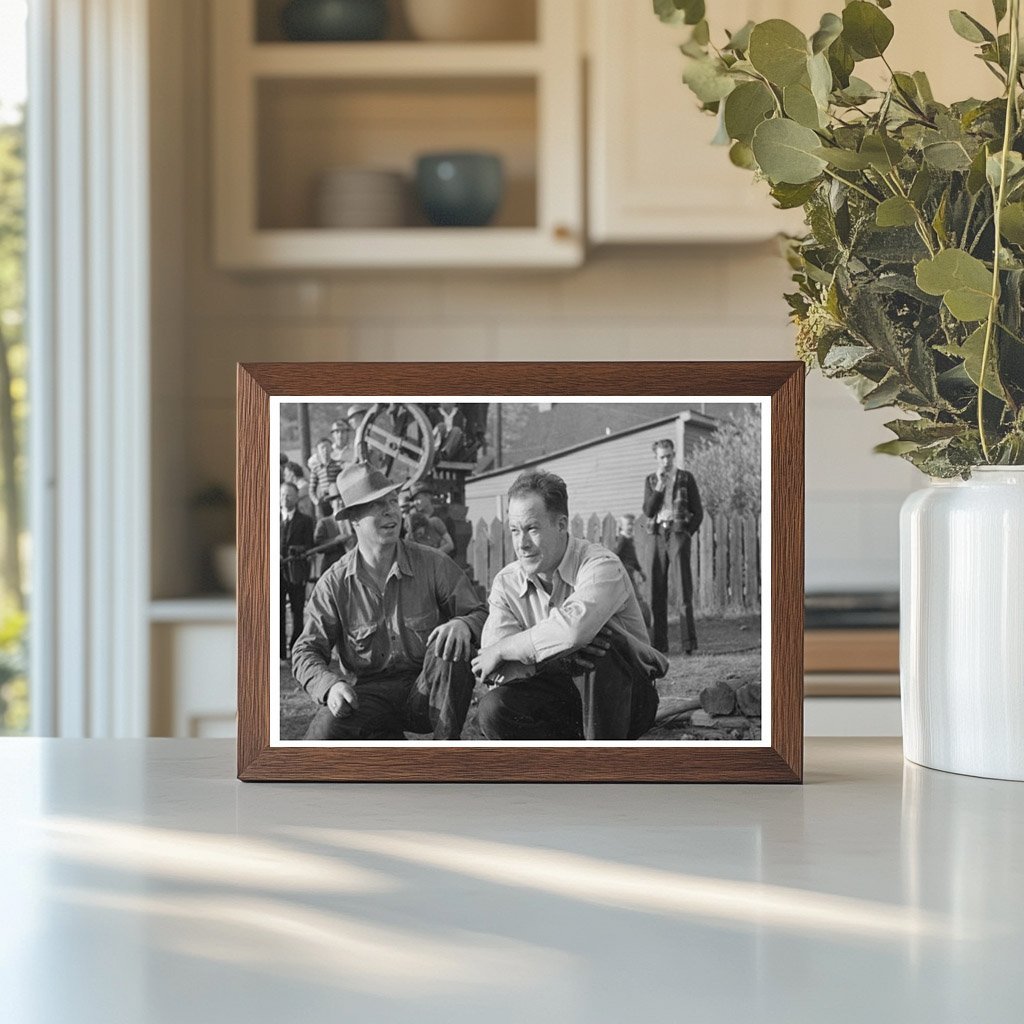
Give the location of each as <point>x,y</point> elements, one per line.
<point>13,415</point>
<point>728,465</point>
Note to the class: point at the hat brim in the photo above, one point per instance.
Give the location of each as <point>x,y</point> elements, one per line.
<point>345,512</point>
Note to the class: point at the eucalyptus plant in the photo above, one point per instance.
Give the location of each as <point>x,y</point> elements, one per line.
<point>910,278</point>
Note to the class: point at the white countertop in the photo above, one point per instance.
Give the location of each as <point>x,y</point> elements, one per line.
<point>144,885</point>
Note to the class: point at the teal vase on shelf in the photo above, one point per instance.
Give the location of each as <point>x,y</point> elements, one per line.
<point>334,20</point>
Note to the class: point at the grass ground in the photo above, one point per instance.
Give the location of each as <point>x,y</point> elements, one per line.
<point>730,650</point>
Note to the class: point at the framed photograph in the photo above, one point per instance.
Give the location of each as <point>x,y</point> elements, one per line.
<point>520,572</point>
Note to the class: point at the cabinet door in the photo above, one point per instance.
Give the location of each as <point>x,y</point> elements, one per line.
<point>653,174</point>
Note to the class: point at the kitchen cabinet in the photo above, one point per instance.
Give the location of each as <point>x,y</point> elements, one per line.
<point>653,175</point>
<point>286,113</point>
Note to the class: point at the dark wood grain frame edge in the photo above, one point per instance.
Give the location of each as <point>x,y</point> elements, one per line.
<point>780,763</point>
<point>252,482</point>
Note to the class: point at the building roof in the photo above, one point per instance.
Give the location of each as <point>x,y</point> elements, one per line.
<point>698,419</point>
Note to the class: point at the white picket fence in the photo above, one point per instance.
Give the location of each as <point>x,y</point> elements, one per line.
<point>726,558</point>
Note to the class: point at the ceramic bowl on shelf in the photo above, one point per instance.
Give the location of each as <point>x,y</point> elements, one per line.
<point>460,189</point>
<point>469,20</point>
<point>361,198</point>
<point>334,20</point>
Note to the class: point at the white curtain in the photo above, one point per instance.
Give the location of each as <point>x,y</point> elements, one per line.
<point>88,320</point>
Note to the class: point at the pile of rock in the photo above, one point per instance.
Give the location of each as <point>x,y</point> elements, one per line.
<point>726,710</point>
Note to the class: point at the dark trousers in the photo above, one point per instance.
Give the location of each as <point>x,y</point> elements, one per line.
<point>614,701</point>
<point>672,558</point>
<point>436,700</point>
<point>294,595</point>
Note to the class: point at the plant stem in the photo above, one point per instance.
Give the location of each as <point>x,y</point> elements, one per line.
<point>993,308</point>
<point>855,187</point>
<point>922,225</point>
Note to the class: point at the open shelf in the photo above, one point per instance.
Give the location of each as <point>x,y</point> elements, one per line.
<point>308,127</point>
<point>519,18</point>
<point>393,60</point>
<point>287,113</point>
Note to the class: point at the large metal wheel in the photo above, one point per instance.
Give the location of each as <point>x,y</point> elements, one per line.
<point>398,439</point>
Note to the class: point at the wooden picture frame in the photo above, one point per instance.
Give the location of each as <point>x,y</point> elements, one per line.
<point>779,386</point>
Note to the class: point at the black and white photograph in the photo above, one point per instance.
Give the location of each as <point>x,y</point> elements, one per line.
<point>560,571</point>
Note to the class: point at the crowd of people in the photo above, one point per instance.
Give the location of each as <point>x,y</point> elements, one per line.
<point>395,636</point>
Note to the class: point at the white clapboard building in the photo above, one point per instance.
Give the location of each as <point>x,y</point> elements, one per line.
<point>604,475</point>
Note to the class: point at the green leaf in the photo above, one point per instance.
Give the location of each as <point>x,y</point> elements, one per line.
<point>1014,169</point>
<point>946,156</point>
<point>829,30</point>
<point>745,108</point>
<point>866,29</point>
<point>971,352</point>
<point>923,431</point>
<point>785,152</point>
<point>679,12</point>
<point>739,41</point>
<point>968,28</point>
<point>939,220</point>
<point>963,281</point>
<point>841,60</point>
<point>921,185</point>
<point>924,88</point>
<point>895,447</point>
<point>820,76</point>
<point>883,153</point>
<point>885,394</point>
<point>800,105</point>
<point>844,159</point>
<point>896,212</point>
<point>742,155</point>
<point>976,174</point>
<point>1011,226</point>
<point>789,197</point>
<point>778,50</point>
<point>707,80</point>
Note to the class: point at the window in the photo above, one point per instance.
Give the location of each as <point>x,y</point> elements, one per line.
<point>14,551</point>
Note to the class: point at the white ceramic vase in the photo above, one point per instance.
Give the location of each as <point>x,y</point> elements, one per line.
<point>962,624</point>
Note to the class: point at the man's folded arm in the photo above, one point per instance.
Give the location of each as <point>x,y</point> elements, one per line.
<point>602,588</point>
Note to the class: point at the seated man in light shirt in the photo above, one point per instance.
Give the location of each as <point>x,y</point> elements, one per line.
<point>564,649</point>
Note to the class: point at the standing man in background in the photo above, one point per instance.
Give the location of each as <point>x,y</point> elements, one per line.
<point>296,540</point>
<point>674,512</point>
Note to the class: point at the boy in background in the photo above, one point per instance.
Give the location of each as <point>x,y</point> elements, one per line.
<point>625,548</point>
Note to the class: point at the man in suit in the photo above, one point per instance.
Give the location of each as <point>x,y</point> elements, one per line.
<point>296,538</point>
<point>674,512</point>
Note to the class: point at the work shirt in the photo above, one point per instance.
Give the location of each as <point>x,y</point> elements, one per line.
<point>590,589</point>
<point>380,633</point>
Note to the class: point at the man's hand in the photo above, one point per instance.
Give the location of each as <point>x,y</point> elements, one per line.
<point>452,641</point>
<point>487,661</point>
<point>342,699</point>
<point>509,672</point>
<point>587,656</point>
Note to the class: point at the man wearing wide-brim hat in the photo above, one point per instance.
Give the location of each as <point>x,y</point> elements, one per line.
<point>403,621</point>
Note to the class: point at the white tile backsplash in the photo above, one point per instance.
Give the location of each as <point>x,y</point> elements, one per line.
<point>715,303</point>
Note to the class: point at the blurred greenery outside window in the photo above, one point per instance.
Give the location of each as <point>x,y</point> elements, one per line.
<point>14,703</point>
